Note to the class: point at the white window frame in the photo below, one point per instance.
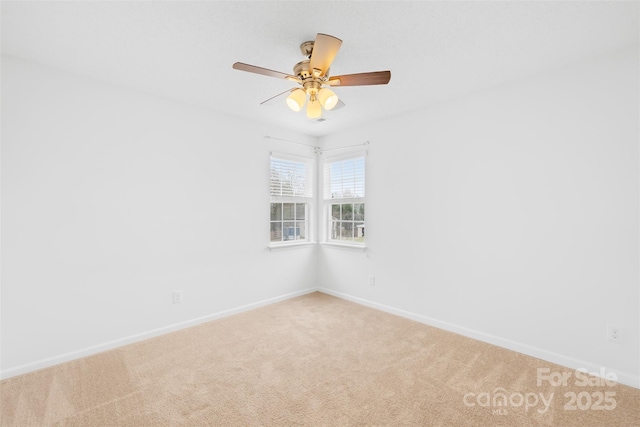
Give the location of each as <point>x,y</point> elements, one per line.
<point>328,201</point>
<point>307,199</point>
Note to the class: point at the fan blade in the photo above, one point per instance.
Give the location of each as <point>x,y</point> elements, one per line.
<point>324,51</point>
<point>270,100</point>
<point>339,105</point>
<point>264,71</point>
<point>361,79</point>
<point>326,115</point>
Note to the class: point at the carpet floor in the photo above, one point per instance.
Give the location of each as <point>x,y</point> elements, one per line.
<point>314,360</point>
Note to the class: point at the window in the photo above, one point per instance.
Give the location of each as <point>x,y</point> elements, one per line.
<point>291,196</point>
<point>344,199</point>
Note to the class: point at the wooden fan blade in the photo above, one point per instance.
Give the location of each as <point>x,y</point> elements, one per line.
<point>361,79</point>
<point>270,100</point>
<point>325,49</point>
<point>264,71</point>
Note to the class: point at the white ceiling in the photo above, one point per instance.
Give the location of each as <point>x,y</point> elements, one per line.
<point>184,50</point>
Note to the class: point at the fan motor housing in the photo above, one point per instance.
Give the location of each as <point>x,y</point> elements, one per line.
<point>301,69</point>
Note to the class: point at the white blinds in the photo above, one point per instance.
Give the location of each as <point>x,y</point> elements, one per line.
<point>344,179</point>
<point>290,178</point>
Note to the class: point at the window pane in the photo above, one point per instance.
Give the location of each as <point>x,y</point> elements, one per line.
<point>346,230</point>
<point>302,227</point>
<point>347,211</point>
<point>344,179</point>
<point>358,211</point>
<point>335,230</point>
<point>287,210</point>
<point>301,211</point>
<point>276,211</point>
<point>290,231</point>
<point>276,231</point>
<point>358,235</point>
<point>335,211</point>
<point>290,178</point>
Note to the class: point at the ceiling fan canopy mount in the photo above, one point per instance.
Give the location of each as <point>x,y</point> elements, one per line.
<point>306,48</point>
<point>312,74</point>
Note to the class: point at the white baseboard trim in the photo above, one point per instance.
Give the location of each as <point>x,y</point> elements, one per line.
<point>559,359</point>
<point>88,351</point>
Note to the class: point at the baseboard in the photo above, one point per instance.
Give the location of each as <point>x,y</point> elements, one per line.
<point>572,363</point>
<point>88,351</point>
<point>559,359</point>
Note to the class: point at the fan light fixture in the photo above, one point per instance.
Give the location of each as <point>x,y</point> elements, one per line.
<point>296,100</point>
<point>318,99</point>
<point>327,98</point>
<point>314,110</point>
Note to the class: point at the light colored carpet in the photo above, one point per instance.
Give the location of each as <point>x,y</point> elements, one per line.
<point>313,360</point>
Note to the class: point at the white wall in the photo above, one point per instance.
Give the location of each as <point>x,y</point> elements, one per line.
<point>511,215</point>
<point>112,199</point>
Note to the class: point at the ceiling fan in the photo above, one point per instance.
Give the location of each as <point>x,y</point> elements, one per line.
<point>312,74</point>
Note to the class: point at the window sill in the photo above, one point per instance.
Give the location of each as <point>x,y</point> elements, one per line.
<point>346,246</point>
<point>359,248</point>
<point>283,246</point>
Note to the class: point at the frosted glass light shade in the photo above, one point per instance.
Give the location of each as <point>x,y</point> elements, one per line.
<point>314,110</point>
<point>327,98</point>
<point>296,99</point>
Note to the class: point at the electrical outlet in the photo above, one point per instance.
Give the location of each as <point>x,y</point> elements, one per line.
<point>613,334</point>
<point>177,297</point>
<point>372,280</point>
